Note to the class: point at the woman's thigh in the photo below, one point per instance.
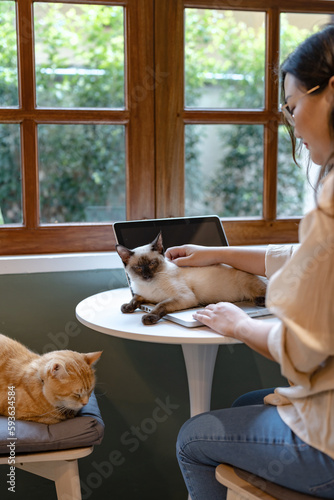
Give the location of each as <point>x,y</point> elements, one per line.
<point>255,438</point>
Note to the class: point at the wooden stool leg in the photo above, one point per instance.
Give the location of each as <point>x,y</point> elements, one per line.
<point>68,481</point>
<point>65,474</point>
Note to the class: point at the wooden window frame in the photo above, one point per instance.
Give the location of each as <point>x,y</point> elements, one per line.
<point>36,238</point>
<point>154,122</point>
<point>268,229</point>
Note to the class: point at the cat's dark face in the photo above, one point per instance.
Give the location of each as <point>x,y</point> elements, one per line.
<point>143,262</point>
<point>146,268</point>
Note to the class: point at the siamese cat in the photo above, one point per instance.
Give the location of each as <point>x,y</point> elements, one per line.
<point>155,279</point>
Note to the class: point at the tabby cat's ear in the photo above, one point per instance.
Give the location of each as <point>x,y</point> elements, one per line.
<point>57,370</point>
<point>92,357</point>
<point>157,244</point>
<point>124,253</point>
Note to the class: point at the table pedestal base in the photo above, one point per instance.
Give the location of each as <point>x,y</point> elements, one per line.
<point>200,362</point>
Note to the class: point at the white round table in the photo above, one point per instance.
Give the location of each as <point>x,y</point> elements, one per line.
<point>102,312</point>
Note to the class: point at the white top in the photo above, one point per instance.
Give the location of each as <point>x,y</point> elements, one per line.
<point>102,312</point>
<point>300,293</point>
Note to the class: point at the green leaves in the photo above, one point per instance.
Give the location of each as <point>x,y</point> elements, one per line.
<point>80,54</point>
<point>224,68</point>
<point>80,63</point>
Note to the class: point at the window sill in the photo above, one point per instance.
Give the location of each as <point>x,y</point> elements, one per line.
<point>52,263</point>
<point>66,262</point>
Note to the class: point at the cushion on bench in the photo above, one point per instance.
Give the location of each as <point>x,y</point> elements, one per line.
<point>86,429</point>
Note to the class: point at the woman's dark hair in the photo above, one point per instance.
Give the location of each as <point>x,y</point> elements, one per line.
<point>312,64</point>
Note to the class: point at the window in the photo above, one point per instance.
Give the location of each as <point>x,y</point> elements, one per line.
<point>141,109</point>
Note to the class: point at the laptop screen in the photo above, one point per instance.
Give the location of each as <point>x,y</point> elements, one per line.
<point>204,230</point>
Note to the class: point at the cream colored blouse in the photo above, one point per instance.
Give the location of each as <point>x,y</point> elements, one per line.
<point>301,295</point>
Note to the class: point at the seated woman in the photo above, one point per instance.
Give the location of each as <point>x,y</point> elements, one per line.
<point>286,435</point>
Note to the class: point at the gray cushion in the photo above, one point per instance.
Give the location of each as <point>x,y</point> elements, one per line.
<point>86,429</point>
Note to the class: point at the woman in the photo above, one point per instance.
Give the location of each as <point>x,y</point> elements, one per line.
<point>289,437</point>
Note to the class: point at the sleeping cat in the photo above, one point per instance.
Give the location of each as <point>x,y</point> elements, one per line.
<point>48,388</point>
<point>159,281</point>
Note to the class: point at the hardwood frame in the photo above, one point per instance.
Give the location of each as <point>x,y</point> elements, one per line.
<point>269,229</point>
<point>154,125</point>
<point>34,237</point>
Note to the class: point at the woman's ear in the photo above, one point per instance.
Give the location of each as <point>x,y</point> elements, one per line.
<point>330,92</point>
<point>331,83</point>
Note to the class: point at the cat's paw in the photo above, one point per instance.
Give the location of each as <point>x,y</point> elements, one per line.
<point>150,319</point>
<point>127,308</point>
<point>260,301</point>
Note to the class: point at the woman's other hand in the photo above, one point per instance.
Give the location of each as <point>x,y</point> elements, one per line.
<point>229,320</point>
<point>224,318</point>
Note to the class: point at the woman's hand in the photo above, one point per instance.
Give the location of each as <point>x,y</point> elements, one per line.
<point>246,259</point>
<point>224,318</point>
<point>192,255</point>
<point>229,320</point>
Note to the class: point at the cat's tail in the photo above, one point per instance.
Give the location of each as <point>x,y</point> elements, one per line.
<point>256,289</point>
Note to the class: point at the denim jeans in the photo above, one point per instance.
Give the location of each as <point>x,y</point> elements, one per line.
<point>253,437</point>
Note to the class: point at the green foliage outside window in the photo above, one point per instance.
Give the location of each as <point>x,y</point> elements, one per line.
<point>87,39</point>
<point>234,187</point>
<point>80,63</point>
<point>8,56</point>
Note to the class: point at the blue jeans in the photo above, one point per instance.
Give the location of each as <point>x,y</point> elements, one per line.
<point>253,437</point>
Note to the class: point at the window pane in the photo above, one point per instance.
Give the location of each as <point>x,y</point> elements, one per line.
<point>8,59</point>
<point>295,195</point>
<point>81,173</point>
<point>294,28</point>
<point>10,174</point>
<point>224,58</point>
<point>224,170</point>
<point>79,51</point>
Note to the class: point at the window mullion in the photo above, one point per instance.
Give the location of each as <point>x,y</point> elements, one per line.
<point>169,92</point>
<point>30,173</point>
<point>271,127</point>
<point>27,94</point>
<point>27,103</point>
<point>141,81</point>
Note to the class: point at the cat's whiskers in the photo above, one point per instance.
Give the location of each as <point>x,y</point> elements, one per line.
<point>49,413</point>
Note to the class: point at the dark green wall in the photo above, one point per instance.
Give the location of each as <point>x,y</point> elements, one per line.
<point>133,379</point>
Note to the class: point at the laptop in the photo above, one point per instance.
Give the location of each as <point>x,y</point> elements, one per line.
<point>199,230</point>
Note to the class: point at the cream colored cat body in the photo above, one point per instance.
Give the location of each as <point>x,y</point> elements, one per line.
<point>160,281</point>
<point>48,388</point>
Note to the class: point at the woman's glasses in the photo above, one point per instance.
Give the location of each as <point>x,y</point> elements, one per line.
<point>286,111</point>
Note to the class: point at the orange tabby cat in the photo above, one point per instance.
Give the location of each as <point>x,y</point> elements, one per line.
<point>48,388</point>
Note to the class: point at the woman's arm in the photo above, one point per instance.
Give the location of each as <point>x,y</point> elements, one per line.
<point>251,260</point>
<point>229,320</point>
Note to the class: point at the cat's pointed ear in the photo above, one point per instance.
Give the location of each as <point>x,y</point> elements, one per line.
<point>92,357</point>
<point>124,253</point>
<point>57,370</point>
<point>157,244</point>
